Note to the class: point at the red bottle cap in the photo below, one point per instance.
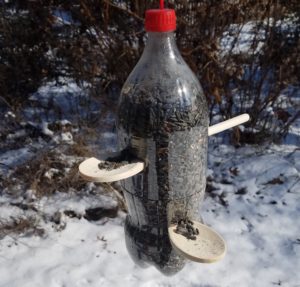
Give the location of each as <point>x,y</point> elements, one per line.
<point>160,20</point>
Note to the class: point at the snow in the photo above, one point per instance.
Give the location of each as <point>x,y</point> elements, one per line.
<point>46,130</point>
<point>66,137</point>
<point>260,227</point>
<point>75,202</point>
<point>10,114</point>
<point>62,17</point>
<point>250,37</point>
<point>12,158</point>
<point>65,97</point>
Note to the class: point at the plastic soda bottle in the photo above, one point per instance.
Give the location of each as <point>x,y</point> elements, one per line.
<point>163,121</point>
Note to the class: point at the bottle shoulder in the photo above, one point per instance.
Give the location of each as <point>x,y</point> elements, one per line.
<point>170,81</point>
<point>152,69</point>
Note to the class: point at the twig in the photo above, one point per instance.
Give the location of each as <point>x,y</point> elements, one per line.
<point>124,10</point>
<point>6,102</point>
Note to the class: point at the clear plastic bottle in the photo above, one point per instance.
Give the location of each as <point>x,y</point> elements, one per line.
<point>162,120</point>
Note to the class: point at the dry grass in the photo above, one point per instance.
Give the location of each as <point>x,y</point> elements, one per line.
<point>20,226</point>
<point>79,148</point>
<point>47,173</point>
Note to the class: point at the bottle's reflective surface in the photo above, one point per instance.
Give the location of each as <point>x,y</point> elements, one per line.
<point>163,120</point>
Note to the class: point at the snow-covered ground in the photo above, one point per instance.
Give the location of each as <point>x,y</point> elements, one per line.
<point>252,200</point>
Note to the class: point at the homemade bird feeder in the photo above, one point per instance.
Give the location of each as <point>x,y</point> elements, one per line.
<point>162,131</point>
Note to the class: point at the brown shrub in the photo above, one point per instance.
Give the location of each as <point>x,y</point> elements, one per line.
<point>100,41</point>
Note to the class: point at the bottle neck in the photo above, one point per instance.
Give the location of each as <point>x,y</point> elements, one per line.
<point>162,44</point>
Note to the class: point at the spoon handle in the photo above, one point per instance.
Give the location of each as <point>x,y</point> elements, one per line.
<point>220,127</point>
